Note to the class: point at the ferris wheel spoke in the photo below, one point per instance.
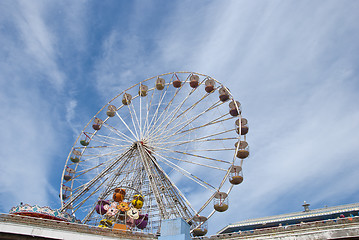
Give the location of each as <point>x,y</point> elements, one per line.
<point>168,139</point>
<point>119,133</point>
<point>108,175</point>
<point>134,117</point>
<point>185,173</point>
<point>177,142</point>
<point>128,128</point>
<point>200,140</point>
<point>95,179</point>
<point>173,114</point>
<point>179,131</point>
<point>210,123</point>
<point>165,110</point>
<point>168,106</point>
<point>192,106</point>
<point>213,150</point>
<point>102,146</point>
<point>109,185</point>
<point>206,204</point>
<point>152,176</point>
<point>108,143</point>
<point>78,205</point>
<point>194,155</point>
<point>163,94</point>
<point>122,137</point>
<point>186,123</point>
<point>176,109</point>
<point>84,171</point>
<point>145,121</point>
<point>105,145</point>
<point>195,163</point>
<point>92,156</point>
<point>148,107</point>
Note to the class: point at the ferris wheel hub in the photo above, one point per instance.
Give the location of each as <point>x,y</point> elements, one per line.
<point>142,145</point>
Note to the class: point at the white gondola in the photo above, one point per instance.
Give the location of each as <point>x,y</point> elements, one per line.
<point>200,226</point>
<point>234,108</point>
<point>75,156</point>
<point>126,99</point>
<point>85,140</point>
<point>220,201</point>
<point>142,91</point>
<point>223,94</point>
<point>97,124</point>
<point>68,173</point>
<point>209,83</point>
<point>111,112</point>
<point>160,83</point>
<point>194,81</point>
<point>235,175</point>
<point>242,149</point>
<point>244,128</point>
<point>177,83</point>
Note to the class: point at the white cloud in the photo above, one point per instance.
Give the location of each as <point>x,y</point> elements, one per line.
<point>70,110</point>
<point>38,40</point>
<point>28,144</point>
<point>31,98</point>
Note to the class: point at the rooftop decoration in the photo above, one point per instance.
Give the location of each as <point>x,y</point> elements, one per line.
<point>42,212</point>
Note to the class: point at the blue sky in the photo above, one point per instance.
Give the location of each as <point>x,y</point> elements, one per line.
<point>292,64</point>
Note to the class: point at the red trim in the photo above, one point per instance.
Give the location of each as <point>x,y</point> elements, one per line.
<point>40,215</point>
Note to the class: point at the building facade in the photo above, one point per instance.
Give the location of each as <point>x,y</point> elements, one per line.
<point>339,222</point>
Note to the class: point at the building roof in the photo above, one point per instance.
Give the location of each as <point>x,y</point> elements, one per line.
<point>317,214</point>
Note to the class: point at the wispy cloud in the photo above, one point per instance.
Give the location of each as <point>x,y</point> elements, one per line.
<point>38,40</point>
<point>27,143</point>
<point>31,97</point>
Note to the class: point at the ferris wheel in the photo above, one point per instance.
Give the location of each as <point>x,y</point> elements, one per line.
<point>170,146</point>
